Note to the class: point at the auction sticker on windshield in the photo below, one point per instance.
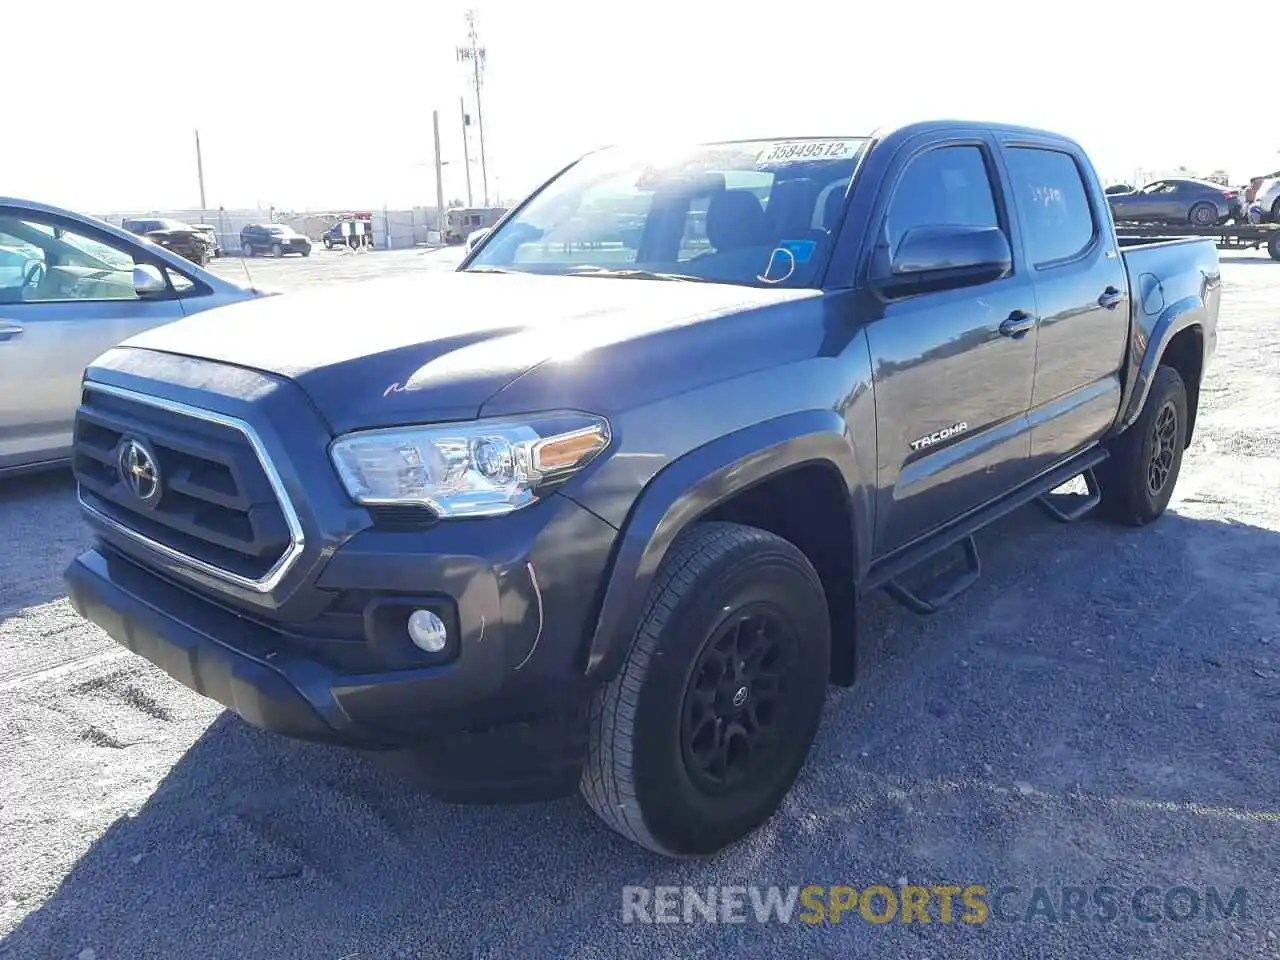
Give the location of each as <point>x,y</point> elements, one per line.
<point>798,151</point>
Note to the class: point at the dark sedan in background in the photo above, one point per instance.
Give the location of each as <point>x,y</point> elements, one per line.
<point>1198,202</point>
<point>174,235</point>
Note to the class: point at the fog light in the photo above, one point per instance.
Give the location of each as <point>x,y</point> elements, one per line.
<point>427,631</point>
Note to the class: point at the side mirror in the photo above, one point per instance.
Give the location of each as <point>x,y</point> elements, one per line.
<point>943,257</point>
<point>148,281</point>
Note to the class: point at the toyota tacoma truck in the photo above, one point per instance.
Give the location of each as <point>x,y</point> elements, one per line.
<point>595,510</point>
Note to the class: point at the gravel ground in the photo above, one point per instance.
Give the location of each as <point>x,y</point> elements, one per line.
<point>1103,708</point>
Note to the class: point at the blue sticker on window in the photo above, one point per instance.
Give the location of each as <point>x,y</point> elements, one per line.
<point>802,250</point>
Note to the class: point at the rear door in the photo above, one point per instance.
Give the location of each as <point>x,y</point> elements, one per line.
<point>952,378</point>
<point>1082,292</point>
<point>56,319</point>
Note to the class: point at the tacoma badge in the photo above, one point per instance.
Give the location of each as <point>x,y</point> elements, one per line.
<point>942,434</point>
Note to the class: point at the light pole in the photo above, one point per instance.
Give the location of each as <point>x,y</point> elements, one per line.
<point>200,171</point>
<point>466,153</point>
<point>435,129</point>
<point>475,55</point>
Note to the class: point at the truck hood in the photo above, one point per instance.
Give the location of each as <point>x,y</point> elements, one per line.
<point>436,346</point>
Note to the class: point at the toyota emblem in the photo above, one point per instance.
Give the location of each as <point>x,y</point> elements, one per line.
<point>139,470</point>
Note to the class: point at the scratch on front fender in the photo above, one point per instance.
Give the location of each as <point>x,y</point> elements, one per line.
<point>537,592</point>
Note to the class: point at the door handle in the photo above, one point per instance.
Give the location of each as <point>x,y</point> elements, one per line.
<point>9,329</point>
<point>1110,298</point>
<point>1017,324</point>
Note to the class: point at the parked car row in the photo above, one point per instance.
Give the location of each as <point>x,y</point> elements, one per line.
<point>199,242</point>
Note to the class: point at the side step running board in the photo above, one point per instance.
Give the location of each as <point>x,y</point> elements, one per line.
<point>1069,507</point>
<point>951,583</point>
<point>944,588</point>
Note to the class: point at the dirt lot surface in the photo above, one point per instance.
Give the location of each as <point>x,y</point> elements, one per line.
<point>1103,709</point>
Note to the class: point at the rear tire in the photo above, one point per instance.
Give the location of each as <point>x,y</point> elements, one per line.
<point>1138,478</point>
<point>246,249</point>
<point>1203,215</point>
<point>701,734</point>
<point>1273,246</point>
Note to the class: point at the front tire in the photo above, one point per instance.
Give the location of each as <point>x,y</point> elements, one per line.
<point>1138,478</point>
<point>246,249</point>
<point>701,734</point>
<point>277,251</point>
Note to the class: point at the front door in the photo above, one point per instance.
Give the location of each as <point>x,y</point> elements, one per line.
<point>72,300</point>
<point>952,376</point>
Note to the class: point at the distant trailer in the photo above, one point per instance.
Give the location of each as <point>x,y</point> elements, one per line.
<point>1232,236</point>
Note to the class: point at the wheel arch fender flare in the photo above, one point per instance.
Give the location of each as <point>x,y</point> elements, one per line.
<point>1148,349</point>
<point>694,484</point>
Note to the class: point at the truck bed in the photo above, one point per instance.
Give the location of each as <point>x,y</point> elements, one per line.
<point>1181,263</point>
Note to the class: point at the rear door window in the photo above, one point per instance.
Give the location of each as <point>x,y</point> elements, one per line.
<point>1059,220</point>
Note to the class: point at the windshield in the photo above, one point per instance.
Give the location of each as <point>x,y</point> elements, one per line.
<point>757,212</point>
<point>280,231</point>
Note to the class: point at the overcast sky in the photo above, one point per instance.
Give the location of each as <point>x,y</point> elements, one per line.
<point>100,107</point>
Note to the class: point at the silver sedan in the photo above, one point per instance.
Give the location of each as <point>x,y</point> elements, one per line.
<point>70,288</point>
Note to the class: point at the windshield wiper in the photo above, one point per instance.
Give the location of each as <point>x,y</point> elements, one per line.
<point>630,273</point>
<point>483,269</point>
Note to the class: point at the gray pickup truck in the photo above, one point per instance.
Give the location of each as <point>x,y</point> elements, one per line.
<point>596,510</point>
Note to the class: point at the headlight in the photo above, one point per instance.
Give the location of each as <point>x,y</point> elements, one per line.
<point>481,468</point>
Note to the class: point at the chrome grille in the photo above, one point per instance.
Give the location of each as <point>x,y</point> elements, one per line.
<point>221,507</point>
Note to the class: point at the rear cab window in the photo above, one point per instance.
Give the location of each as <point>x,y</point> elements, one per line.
<point>1059,221</point>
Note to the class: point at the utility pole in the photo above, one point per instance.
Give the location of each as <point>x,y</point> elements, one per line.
<point>466,153</point>
<point>200,171</point>
<point>475,54</point>
<point>435,129</point>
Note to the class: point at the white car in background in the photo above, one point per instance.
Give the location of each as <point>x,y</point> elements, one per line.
<point>1267,199</point>
<point>71,287</point>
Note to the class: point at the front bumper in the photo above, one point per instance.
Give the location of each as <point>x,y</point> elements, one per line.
<point>128,603</point>
<point>521,598</point>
